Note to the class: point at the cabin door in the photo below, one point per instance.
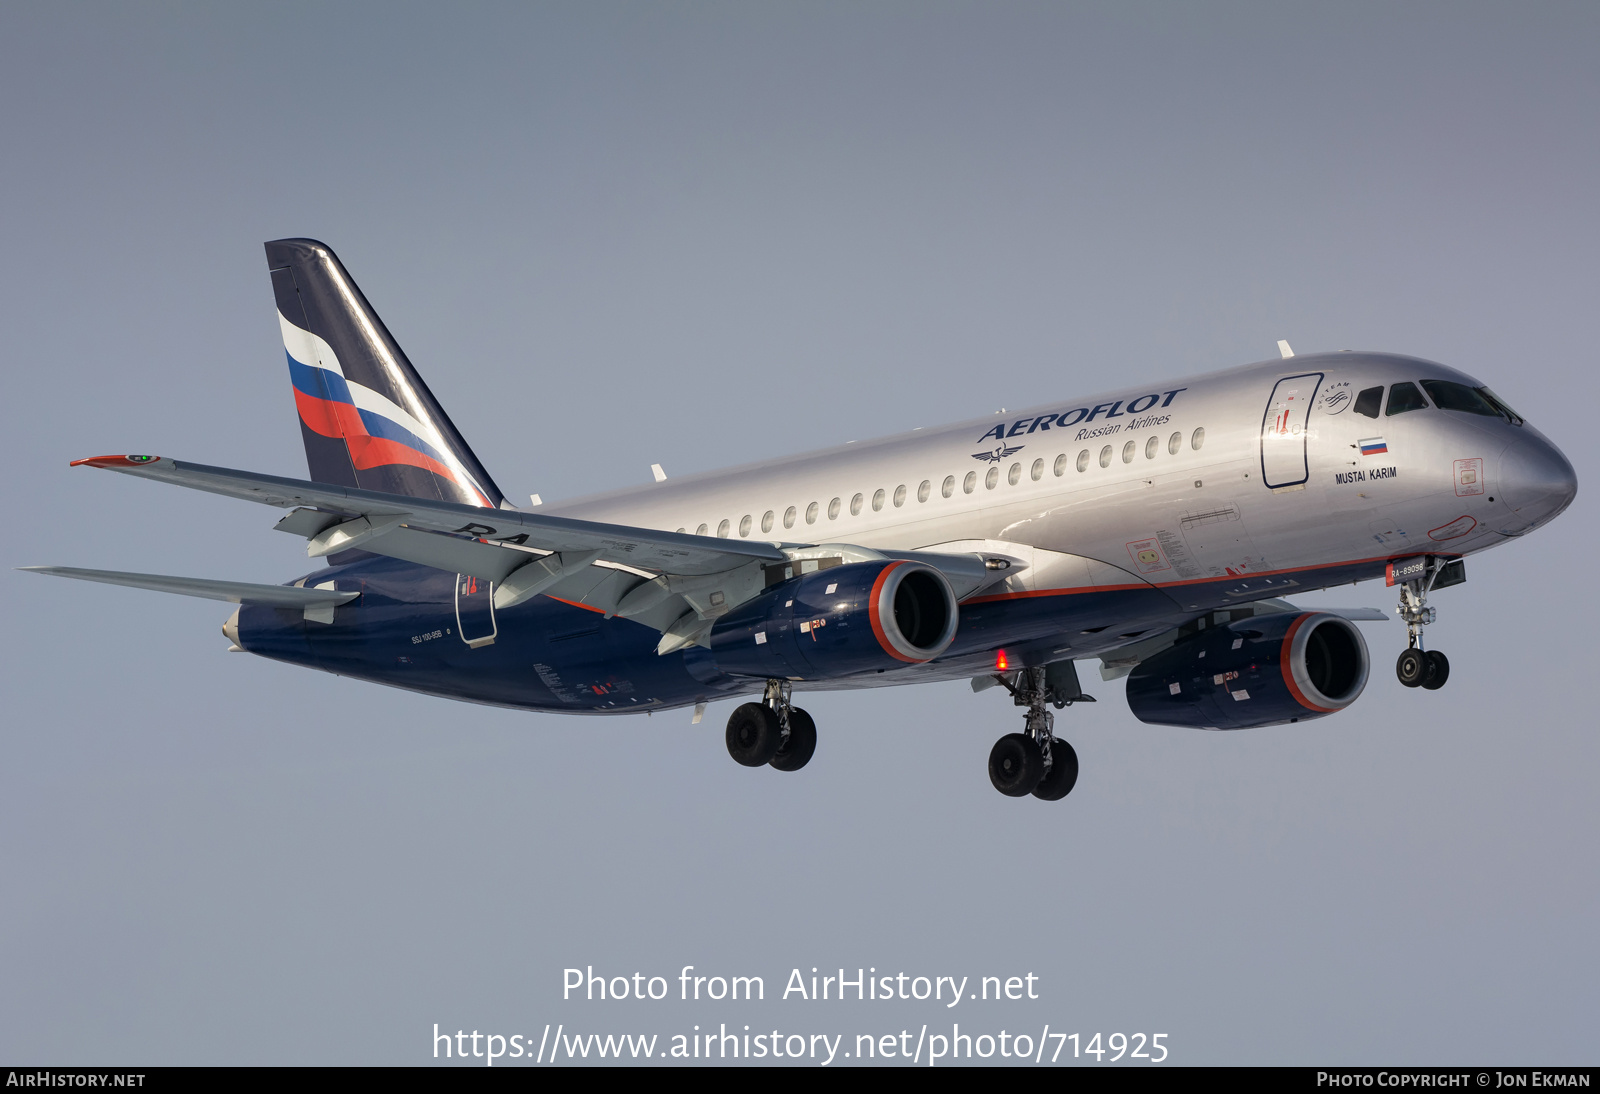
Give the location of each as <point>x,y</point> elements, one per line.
<point>1283,430</point>
<point>475,610</point>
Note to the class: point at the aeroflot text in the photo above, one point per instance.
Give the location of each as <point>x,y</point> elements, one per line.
<point>586,984</point>
<point>1084,414</point>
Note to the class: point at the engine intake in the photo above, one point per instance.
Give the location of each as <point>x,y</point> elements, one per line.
<point>1261,671</point>
<point>854,618</point>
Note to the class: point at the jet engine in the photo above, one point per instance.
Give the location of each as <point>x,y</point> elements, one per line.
<point>1261,671</point>
<point>847,619</point>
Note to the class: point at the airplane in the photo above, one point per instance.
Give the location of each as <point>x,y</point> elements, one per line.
<point>1156,528</point>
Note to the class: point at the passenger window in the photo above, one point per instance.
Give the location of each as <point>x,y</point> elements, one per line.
<point>1197,438</point>
<point>1105,456</point>
<point>1150,447</point>
<point>855,506</point>
<point>949,486</point>
<point>744,526</point>
<point>992,478</point>
<point>1014,476</point>
<point>811,513</point>
<point>1174,443</point>
<point>1083,460</point>
<point>681,531</point>
<point>1369,401</point>
<point>925,490</point>
<point>969,483</point>
<point>899,495</point>
<point>1404,397</point>
<point>877,500</point>
<point>722,530</point>
<point>833,508</point>
<point>766,521</point>
<point>788,517</point>
<point>700,531</point>
<point>1061,465</point>
<point>1127,451</point>
<point>1038,470</point>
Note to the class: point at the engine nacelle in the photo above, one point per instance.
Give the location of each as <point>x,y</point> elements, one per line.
<point>1260,671</point>
<point>854,618</point>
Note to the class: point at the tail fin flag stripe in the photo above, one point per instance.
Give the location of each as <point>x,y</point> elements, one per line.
<point>381,417</point>
<point>318,383</point>
<point>369,449</point>
<point>368,423</point>
<point>365,413</point>
<point>325,381</point>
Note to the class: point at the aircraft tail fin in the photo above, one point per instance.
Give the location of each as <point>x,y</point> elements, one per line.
<point>366,417</point>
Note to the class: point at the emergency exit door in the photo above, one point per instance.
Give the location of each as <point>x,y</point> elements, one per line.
<point>1283,430</point>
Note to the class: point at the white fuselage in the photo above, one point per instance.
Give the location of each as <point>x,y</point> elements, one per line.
<point>1165,484</point>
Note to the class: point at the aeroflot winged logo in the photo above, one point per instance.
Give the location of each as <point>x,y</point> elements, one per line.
<point>1086,414</point>
<point>1000,453</point>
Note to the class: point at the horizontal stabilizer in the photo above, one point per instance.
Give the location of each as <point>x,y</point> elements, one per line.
<point>235,592</point>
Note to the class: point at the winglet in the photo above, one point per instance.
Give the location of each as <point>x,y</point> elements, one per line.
<point>1283,348</point>
<point>112,461</point>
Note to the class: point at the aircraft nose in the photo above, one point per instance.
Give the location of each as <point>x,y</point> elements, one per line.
<point>1536,480</point>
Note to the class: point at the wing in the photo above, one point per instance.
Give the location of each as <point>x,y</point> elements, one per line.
<point>1124,659</point>
<point>1355,615</point>
<point>677,584</point>
<point>486,543</point>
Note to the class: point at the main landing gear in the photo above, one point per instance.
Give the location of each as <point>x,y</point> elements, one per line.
<point>772,732</point>
<point>1036,761</point>
<point>1417,667</point>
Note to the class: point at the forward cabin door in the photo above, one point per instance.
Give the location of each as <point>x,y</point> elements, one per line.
<point>1283,430</point>
<point>475,610</point>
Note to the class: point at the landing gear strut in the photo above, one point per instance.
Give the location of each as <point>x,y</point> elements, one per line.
<point>1036,761</point>
<point>1417,667</point>
<point>773,731</point>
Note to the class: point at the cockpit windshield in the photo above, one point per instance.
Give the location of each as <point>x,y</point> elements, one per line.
<point>1449,395</point>
<point>1405,397</point>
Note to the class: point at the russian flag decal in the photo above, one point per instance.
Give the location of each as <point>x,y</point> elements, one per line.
<point>1373,446</point>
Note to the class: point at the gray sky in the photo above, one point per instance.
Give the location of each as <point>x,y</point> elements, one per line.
<point>702,234</point>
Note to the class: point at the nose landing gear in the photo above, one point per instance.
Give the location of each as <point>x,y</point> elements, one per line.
<point>772,732</point>
<point>1417,667</point>
<point>1036,761</point>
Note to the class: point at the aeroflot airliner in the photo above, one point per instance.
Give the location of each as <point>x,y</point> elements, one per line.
<point>1155,529</point>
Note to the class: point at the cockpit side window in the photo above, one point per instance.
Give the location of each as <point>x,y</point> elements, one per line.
<point>1404,397</point>
<point>1369,401</point>
<point>1500,404</point>
<point>1447,395</point>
